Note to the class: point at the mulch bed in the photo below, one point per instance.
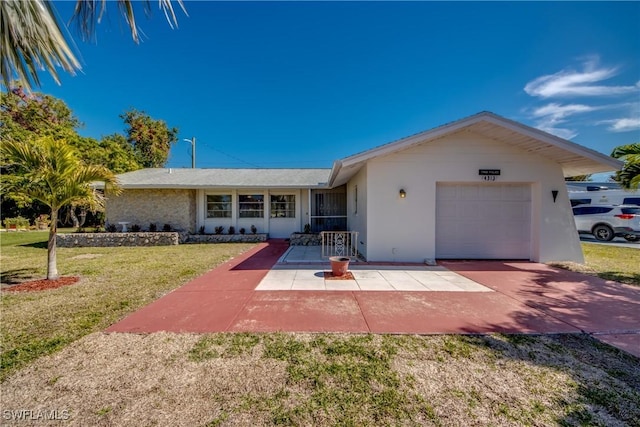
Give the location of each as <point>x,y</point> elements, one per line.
<point>42,285</point>
<point>347,276</point>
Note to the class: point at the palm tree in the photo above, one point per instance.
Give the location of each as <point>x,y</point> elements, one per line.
<point>51,172</point>
<point>32,37</point>
<point>629,176</point>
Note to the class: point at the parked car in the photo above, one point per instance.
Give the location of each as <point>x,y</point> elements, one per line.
<point>607,221</point>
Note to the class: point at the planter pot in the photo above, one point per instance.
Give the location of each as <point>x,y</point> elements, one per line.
<point>339,265</point>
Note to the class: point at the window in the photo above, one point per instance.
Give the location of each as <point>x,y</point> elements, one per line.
<point>251,206</point>
<point>576,202</point>
<point>219,206</point>
<point>634,211</point>
<point>591,210</point>
<point>283,206</point>
<point>631,201</point>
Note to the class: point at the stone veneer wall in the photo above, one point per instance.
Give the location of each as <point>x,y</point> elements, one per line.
<point>83,240</point>
<point>305,239</point>
<point>158,206</point>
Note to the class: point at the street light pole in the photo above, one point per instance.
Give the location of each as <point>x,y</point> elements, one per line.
<point>193,151</point>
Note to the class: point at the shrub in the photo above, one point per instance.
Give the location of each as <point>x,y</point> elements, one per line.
<point>166,227</point>
<point>42,222</point>
<point>219,229</point>
<point>232,230</point>
<point>254,230</point>
<point>111,228</point>
<point>307,228</point>
<point>17,222</point>
<point>242,231</point>
<point>153,228</point>
<point>201,230</point>
<point>135,228</point>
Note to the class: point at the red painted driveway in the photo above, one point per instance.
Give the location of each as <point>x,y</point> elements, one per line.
<point>528,298</point>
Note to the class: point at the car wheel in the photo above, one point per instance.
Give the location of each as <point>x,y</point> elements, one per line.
<point>603,232</point>
<point>631,238</point>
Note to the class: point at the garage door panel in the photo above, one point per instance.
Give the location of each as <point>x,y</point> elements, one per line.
<point>483,221</point>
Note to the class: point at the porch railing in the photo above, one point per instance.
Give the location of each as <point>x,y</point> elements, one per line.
<point>339,243</point>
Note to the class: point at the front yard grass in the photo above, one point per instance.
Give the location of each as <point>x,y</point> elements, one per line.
<point>54,358</point>
<point>114,282</point>
<point>333,380</point>
<point>608,262</point>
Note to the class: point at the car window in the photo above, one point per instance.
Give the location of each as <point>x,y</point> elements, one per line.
<point>591,210</point>
<point>631,201</point>
<point>631,210</point>
<point>576,202</point>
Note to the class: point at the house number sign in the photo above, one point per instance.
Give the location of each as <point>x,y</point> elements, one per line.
<point>489,174</point>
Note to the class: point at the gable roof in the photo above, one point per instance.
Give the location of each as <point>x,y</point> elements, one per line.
<point>575,159</point>
<point>224,178</point>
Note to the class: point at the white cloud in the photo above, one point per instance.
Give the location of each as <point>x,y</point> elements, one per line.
<point>560,132</point>
<point>568,83</point>
<point>624,124</point>
<point>560,111</point>
<point>550,116</point>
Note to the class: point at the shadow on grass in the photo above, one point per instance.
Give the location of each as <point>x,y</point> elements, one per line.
<point>14,277</point>
<point>37,245</point>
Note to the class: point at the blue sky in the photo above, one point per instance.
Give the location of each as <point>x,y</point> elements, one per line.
<point>301,84</point>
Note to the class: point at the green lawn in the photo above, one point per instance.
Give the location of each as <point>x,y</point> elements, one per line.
<point>283,379</point>
<point>114,282</point>
<point>608,262</point>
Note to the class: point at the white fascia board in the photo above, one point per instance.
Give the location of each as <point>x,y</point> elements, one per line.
<point>554,140</point>
<point>203,187</point>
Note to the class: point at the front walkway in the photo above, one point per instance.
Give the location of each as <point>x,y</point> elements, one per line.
<point>524,298</point>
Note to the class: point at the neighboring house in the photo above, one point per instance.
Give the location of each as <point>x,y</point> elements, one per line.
<point>483,187</point>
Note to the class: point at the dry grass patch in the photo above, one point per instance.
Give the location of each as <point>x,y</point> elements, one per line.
<point>114,282</point>
<point>332,379</point>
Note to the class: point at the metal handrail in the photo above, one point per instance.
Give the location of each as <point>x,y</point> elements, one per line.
<point>339,243</point>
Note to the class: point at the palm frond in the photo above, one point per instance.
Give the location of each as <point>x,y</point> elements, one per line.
<point>31,40</point>
<point>50,171</point>
<point>626,150</point>
<point>89,13</point>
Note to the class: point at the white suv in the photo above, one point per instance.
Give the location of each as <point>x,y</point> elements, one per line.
<point>607,221</point>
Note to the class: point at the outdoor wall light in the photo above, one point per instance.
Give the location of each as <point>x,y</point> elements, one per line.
<point>403,193</point>
<point>554,194</point>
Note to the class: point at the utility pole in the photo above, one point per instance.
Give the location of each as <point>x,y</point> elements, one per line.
<point>193,151</point>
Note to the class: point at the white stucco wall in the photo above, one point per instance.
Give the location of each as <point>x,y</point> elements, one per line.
<point>404,229</point>
<point>357,215</point>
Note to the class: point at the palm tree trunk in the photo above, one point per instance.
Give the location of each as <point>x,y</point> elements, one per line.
<point>52,260</point>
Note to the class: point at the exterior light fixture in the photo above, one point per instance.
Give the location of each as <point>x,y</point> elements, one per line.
<point>554,194</point>
<point>403,193</point>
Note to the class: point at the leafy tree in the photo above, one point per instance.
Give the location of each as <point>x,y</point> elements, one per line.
<point>629,175</point>
<point>50,171</point>
<point>25,117</point>
<point>112,151</point>
<point>31,38</point>
<point>151,139</point>
<point>22,116</point>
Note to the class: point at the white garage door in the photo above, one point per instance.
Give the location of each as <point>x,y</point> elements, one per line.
<point>483,221</point>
